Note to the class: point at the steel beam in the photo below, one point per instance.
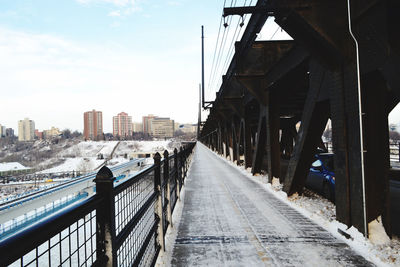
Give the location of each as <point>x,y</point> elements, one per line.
<point>313,122</point>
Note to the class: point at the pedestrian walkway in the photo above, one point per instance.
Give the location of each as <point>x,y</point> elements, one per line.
<point>230,220</point>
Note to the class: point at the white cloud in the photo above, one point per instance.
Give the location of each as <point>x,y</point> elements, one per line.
<point>115,13</point>
<point>174,3</point>
<point>126,7</point>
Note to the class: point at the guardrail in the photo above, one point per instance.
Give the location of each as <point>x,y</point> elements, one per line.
<point>394,149</point>
<point>121,225</point>
<point>36,194</point>
<point>16,224</point>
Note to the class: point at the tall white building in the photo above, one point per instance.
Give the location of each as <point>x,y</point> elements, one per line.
<point>26,130</point>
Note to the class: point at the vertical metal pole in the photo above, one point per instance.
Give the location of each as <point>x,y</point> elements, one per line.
<point>199,118</point>
<point>399,150</point>
<point>176,167</point>
<point>360,118</point>
<point>181,167</point>
<point>159,207</point>
<point>167,179</point>
<point>105,219</point>
<point>202,62</point>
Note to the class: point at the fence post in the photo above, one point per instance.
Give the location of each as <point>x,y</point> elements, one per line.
<point>181,166</point>
<point>398,151</point>
<point>159,208</point>
<point>105,219</point>
<point>167,179</point>
<point>176,166</point>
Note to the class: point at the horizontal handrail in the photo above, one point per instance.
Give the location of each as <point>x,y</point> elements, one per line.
<point>135,205</point>
<point>23,242</point>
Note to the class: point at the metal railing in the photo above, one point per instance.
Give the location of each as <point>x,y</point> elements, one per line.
<point>50,190</point>
<point>394,149</point>
<point>121,225</point>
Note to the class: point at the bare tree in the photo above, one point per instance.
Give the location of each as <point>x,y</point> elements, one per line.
<point>394,135</point>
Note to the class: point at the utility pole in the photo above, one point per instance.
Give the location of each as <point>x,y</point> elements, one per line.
<point>202,63</point>
<point>199,118</point>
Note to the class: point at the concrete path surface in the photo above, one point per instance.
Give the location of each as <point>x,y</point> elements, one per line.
<point>230,220</point>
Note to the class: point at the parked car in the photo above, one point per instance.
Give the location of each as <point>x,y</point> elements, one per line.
<point>321,177</point>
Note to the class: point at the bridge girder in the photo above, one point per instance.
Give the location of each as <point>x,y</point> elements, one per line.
<point>314,78</point>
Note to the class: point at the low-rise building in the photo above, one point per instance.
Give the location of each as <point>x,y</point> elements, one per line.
<point>51,133</point>
<point>187,128</point>
<point>38,135</point>
<point>10,168</point>
<point>9,132</point>
<point>137,127</point>
<point>162,127</point>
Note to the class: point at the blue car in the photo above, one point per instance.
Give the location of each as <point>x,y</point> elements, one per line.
<point>321,177</point>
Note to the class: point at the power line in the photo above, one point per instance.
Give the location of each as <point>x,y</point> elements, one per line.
<point>215,52</point>
<point>275,32</point>
<point>230,49</point>
<point>223,44</point>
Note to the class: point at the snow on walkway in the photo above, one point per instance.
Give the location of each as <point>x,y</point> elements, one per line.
<point>230,220</point>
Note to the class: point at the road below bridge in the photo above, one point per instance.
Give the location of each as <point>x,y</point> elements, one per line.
<point>230,220</point>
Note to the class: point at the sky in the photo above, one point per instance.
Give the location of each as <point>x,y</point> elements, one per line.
<point>61,58</point>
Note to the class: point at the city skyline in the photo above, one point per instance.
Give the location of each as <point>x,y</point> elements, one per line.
<point>41,130</point>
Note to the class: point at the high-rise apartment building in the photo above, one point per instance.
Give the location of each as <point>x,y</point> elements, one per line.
<point>122,125</point>
<point>162,127</point>
<point>26,130</point>
<point>93,125</point>
<point>147,124</point>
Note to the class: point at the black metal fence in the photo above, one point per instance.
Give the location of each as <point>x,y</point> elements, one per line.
<point>394,149</point>
<point>122,225</point>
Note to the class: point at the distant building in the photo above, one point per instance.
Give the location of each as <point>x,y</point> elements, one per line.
<point>8,168</point>
<point>26,130</point>
<point>51,133</point>
<point>122,125</point>
<point>162,127</point>
<point>39,135</point>
<point>137,127</point>
<point>9,132</point>
<point>187,128</point>
<point>93,125</point>
<point>2,134</point>
<point>147,123</point>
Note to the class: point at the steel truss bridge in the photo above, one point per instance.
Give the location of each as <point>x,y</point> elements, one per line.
<point>343,64</point>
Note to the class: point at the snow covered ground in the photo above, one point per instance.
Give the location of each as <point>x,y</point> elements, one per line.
<point>83,156</point>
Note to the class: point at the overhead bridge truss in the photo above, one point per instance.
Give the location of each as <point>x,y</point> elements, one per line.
<point>277,97</point>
